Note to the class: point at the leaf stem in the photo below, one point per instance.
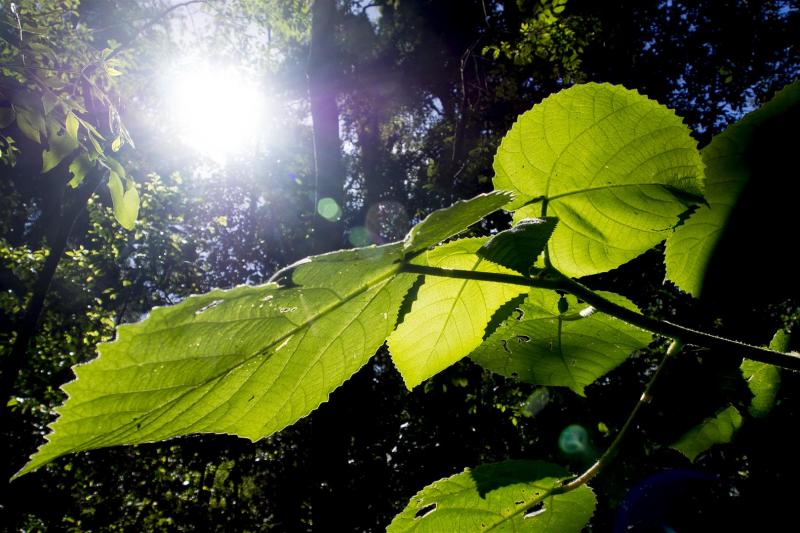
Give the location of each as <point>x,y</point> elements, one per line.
<point>612,450</point>
<point>557,281</point>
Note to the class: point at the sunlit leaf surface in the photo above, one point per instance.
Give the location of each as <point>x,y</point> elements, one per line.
<point>539,344</point>
<point>449,317</point>
<point>616,168</point>
<point>716,430</point>
<point>247,361</point>
<point>449,221</point>
<point>509,496</point>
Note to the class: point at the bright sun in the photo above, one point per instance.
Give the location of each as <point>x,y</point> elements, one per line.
<point>217,111</point>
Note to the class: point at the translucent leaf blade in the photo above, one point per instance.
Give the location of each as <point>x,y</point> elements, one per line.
<point>124,200</point>
<point>445,223</point>
<point>509,496</point>
<point>539,345</point>
<point>615,168</point>
<point>60,146</point>
<point>449,317</point>
<point>730,164</point>
<point>764,379</point>
<point>718,429</point>
<point>517,248</point>
<point>248,361</point>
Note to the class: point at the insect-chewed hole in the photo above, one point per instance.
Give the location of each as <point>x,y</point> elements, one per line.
<point>431,507</point>
<point>534,510</point>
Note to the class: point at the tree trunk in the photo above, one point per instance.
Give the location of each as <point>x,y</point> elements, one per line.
<point>329,440</point>
<point>329,169</point>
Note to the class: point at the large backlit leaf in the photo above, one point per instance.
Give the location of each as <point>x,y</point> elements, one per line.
<point>730,163</point>
<point>449,221</point>
<point>247,361</point>
<point>616,168</point>
<point>509,496</point>
<point>449,317</point>
<point>763,379</point>
<point>517,248</point>
<point>716,430</point>
<point>537,344</point>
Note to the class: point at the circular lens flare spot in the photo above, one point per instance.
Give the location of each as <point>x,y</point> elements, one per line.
<point>329,209</point>
<point>359,236</point>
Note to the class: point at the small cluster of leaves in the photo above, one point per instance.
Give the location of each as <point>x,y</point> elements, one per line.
<point>56,100</point>
<point>594,175</point>
<point>552,37</point>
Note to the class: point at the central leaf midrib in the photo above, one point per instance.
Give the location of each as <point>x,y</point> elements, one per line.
<point>601,188</point>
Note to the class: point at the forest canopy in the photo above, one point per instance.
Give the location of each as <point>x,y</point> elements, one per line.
<point>310,265</point>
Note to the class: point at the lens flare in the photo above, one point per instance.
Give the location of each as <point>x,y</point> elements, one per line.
<point>574,440</point>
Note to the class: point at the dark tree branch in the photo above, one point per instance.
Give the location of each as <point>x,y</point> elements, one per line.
<point>13,364</point>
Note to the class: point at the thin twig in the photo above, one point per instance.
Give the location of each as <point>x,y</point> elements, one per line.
<point>152,22</point>
<point>612,450</point>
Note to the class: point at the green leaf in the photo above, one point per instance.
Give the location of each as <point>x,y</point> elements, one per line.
<point>125,200</point>
<point>49,102</point>
<point>247,361</point>
<point>61,144</point>
<point>71,126</point>
<point>517,248</point>
<point>716,430</point>
<point>449,221</point>
<point>113,165</point>
<point>763,379</point>
<point>93,135</point>
<point>730,164</point>
<point>79,167</point>
<point>615,168</point>
<point>538,344</point>
<point>509,496</point>
<point>449,317</point>
<point>30,123</point>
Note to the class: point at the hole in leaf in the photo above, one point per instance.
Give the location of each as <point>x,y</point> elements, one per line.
<point>504,343</point>
<point>520,502</point>
<point>431,507</point>
<point>518,314</point>
<point>535,510</point>
<point>207,307</point>
<point>523,338</point>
